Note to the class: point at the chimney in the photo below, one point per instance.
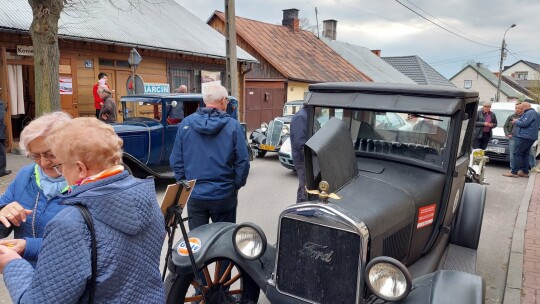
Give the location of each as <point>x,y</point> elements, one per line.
<point>330,29</point>
<point>290,19</point>
<point>376,52</point>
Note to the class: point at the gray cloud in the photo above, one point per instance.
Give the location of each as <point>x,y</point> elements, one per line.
<point>388,26</point>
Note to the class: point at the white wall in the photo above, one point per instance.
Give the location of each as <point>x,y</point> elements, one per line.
<point>485,89</point>
<point>522,67</point>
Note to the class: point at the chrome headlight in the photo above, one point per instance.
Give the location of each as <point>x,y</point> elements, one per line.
<point>264,127</point>
<point>388,279</point>
<point>286,147</point>
<point>249,241</point>
<point>478,154</point>
<point>285,130</point>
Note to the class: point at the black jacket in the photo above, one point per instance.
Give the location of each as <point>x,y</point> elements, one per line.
<point>479,125</point>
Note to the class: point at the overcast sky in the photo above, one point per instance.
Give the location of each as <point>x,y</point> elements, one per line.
<point>389,26</point>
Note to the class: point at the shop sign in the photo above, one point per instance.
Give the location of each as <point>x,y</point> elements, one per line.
<point>25,50</point>
<point>156,88</point>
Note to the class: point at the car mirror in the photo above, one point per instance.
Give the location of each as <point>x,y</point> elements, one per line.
<point>174,103</point>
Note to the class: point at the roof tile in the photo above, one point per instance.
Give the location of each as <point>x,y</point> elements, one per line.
<point>297,55</point>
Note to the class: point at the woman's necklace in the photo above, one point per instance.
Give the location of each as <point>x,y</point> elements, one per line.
<point>34,216</point>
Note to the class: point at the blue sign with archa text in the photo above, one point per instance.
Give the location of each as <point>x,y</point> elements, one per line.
<point>156,88</point>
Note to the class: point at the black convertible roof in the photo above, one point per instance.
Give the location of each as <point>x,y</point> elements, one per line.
<point>393,88</point>
<point>428,99</point>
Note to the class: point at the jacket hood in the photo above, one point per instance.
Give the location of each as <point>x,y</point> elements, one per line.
<point>120,201</point>
<point>209,120</point>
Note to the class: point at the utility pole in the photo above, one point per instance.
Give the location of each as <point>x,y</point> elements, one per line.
<point>230,38</point>
<point>503,46</point>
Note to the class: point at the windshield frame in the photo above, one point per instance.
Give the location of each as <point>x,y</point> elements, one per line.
<point>402,126</point>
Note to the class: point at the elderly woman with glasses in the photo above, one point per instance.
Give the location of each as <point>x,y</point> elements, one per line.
<point>127,222</point>
<point>31,200</point>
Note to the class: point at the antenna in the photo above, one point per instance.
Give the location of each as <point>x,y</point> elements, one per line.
<point>317,21</point>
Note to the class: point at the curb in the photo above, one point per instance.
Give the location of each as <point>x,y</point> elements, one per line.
<point>514,275</point>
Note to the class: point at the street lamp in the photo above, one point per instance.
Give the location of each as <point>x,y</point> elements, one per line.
<point>497,97</point>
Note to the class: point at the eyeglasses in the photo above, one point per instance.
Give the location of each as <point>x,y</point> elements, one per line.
<point>57,168</point>
<point>38,156</point>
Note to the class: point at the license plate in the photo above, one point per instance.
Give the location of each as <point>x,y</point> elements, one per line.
<point>495,149</point>
<point>266,147</point>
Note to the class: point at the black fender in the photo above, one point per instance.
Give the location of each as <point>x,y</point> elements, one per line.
<point>257,137</point>
<point>139,169</point>
<point>215,241</point>
<point>468,222</point>
<point>447,287</point>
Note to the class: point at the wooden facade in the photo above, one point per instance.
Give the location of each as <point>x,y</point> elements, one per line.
<point>82,61</point>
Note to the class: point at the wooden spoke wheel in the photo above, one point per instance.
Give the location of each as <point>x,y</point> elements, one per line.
<point>223,282</point>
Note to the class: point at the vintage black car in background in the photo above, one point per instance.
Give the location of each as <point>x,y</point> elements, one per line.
<point>394,219</point>
<point>149,127</point>
<point>270,136</point>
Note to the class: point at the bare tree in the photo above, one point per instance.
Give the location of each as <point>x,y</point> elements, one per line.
<point>307,26</point>
<point>44,33</point>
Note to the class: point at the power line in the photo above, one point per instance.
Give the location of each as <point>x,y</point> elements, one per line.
<point>436,24</point>
<point>463,57</point>
<point>441,21</point>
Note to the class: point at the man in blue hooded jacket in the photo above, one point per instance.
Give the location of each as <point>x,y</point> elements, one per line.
<point>210,147</point>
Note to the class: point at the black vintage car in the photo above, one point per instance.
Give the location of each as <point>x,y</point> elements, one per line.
<point>393,219</point>
<point>270,136</point>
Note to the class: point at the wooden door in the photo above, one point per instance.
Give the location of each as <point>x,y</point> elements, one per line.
<point>68,72</point>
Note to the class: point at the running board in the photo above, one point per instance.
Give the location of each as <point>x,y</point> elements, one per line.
<point>460,258</point>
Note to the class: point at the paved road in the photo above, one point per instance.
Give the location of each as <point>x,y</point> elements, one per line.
<point>271,188</point>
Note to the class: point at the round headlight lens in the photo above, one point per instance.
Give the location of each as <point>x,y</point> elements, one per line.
<point>388,279</point>
<point>478,154</point>
<point>249,241</point>
<point>264,127</point>
<point>285,129</point>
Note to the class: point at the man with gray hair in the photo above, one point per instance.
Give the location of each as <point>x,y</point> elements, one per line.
<point>210,147</point>
<point>525,135</point>
<point>486,121</point>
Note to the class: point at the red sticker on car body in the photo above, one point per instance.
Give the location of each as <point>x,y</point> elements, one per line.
<point>426,215</point>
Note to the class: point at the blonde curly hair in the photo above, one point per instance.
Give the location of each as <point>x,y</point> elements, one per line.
<point>88,140</point>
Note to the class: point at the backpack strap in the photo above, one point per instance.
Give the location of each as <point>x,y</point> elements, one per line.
<point>91,285</point>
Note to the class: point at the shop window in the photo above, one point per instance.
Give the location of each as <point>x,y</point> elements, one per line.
<point>106,62</point>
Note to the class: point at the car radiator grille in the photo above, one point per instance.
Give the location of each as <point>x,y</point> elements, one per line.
<point>274,132</point>
<point>319,263</point>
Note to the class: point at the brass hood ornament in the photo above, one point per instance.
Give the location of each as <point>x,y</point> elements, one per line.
<point>323,195</point>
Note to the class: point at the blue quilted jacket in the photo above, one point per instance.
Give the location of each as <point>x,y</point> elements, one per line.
<point>129,230</point>
<point>25,190</point>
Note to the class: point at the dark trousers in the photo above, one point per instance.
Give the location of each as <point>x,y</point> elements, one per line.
<point>301,195</point>
<point>521,155</point>
<point>482,141</point>
<point>97,113</point>
<point>2,156</point>
<point>201,211</point>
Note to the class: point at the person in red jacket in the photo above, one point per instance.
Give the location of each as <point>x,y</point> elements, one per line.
<point>98,102</point>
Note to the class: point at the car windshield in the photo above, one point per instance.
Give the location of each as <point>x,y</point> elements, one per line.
<point>134,109</point>
<point>291,109</point>
<point>401,135</point>
<point>502,115</point>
